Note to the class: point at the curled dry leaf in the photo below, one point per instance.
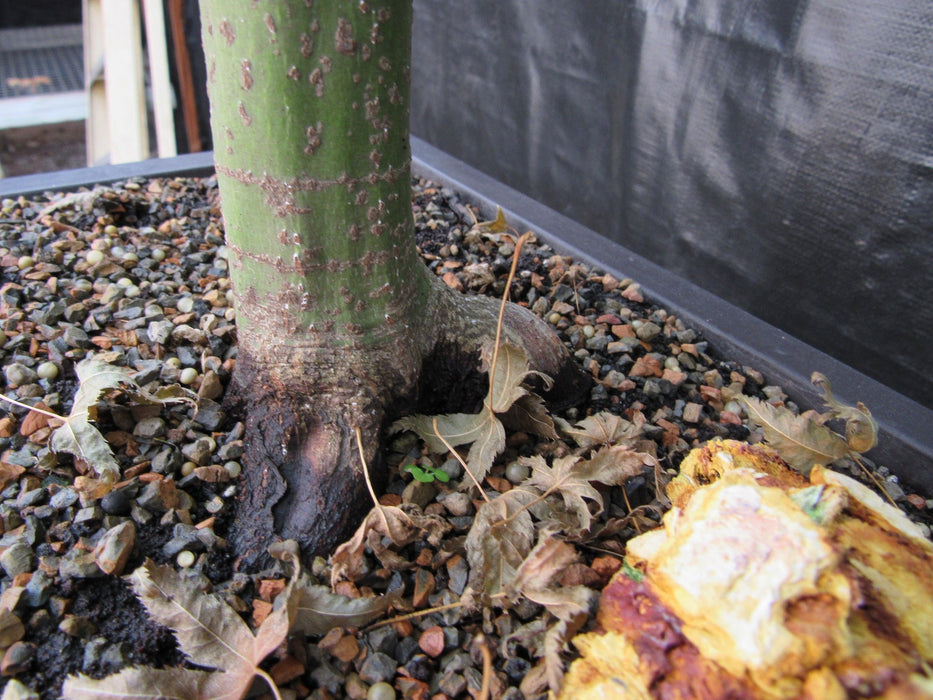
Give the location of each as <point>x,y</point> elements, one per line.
<point>143,683</point>
<point>861,428</point>
<point>800,441</point>
<point>399,526</point>
<point>316,609</point>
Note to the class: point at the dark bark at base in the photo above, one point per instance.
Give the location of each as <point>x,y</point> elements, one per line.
<point>303,476</point>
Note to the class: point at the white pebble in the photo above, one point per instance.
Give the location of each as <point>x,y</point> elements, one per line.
<point>25,262</point>
<point>380,691</point>
<point>118,251</point>
<point>233,469</point>
<point>111,230</point>
<point>185,559</point>
<point>94,256</point>
<point>173,362</point>
<point>188,375</point>
<point>157,254</point>
<point>47,370</point>
<point>188,468</point>
<point>131,291</point>
<point>124,282</point>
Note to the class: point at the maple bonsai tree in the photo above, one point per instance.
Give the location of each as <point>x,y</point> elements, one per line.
<point>340,325</point>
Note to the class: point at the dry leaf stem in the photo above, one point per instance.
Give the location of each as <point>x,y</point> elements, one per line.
<point>876,482</point>
<point>369,484</point>
<point>271,683</point>
<point>459,458</point>
<point>505,300</point>
<point>487,666</point>
<point>49,414</point>
<point>426,611</point>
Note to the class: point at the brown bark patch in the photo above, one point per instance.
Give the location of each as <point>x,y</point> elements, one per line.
<point>343,38</point>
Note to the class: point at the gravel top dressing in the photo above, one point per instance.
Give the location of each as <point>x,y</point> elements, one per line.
<point>135,276</point>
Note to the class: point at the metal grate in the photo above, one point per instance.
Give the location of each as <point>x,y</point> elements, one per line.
<point>41,61</point>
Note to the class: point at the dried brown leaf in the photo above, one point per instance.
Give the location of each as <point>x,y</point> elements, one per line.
<point>498,225</point>
<point>511,368</point>
<point>482,429</point>
<point>800,442</point>
<point>565,603</point>
<point>398,525</point>
<point>616,464</point>
<point>604,428</point>
<point>209,632</point>
<point>143,683</point>
<point>546,561</point>
<point>555,643</point>
<point>499,540</point>
<point>318,610</point>
<point>78,437</point>
<point>529,414</point>
<point>569,480</point>
<point>861,428</point>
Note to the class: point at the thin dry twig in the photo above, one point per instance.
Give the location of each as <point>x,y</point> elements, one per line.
<point>369,484</point>
<point>459,458</point>
<point>480,641</point>
<point>505,300</point>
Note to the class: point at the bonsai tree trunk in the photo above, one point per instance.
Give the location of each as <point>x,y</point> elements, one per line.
<point>336,315</point>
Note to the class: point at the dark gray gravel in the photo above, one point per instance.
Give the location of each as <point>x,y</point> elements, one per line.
<point>136,275</point>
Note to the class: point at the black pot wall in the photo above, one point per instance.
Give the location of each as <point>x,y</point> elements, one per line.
<point>906,439</point>
<point>779,155</point>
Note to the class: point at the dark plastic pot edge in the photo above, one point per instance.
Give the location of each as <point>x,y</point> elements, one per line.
<point>905,442</point>
<point>188,165</point>
<point>906,428</point>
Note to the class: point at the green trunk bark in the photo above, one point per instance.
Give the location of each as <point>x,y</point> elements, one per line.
<point>309,110</point>
<point>336,315</point>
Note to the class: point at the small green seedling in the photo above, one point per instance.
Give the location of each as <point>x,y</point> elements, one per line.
<point>427,474</point>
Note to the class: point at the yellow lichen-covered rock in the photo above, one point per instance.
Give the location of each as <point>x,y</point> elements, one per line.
<point>762,584</point>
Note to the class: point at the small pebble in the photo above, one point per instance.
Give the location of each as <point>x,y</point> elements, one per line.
<point>185,559</point>
<point>188,375</point>
<point>47,370</point>
<point>380,691</point>
<point>25,262</point>
<point>516,472</point>
<point>94,256</point>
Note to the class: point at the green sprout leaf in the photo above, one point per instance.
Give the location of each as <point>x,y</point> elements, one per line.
<point>427,474</point>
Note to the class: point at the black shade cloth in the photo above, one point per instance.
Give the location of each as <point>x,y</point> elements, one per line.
<point>779,154</point>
